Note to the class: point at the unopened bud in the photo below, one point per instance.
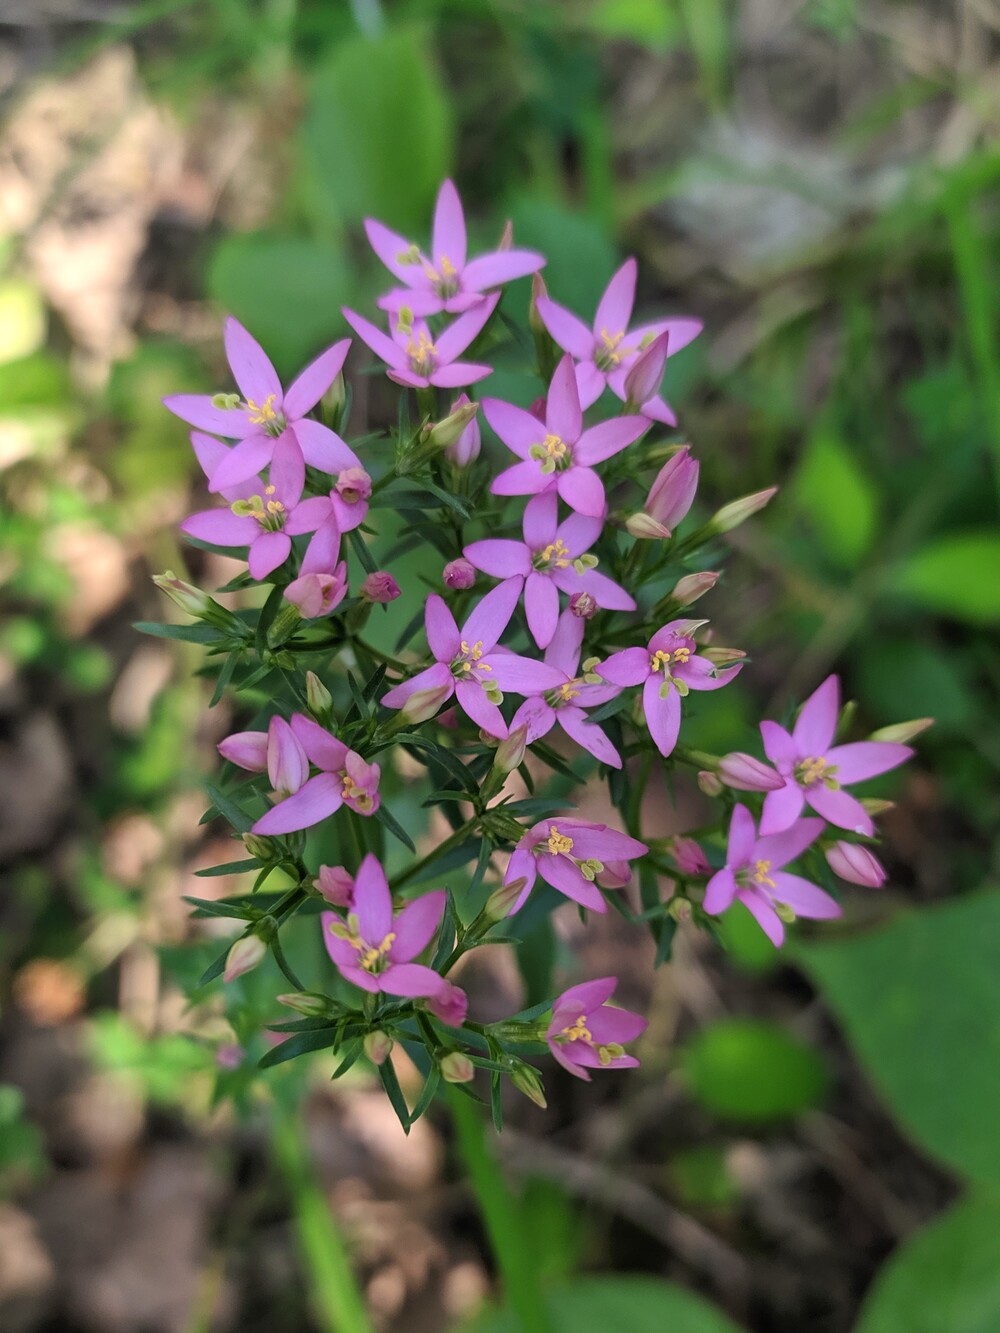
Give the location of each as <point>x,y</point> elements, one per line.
<point>468,445</point>
<point>317,595</point>
<point>535,321</point>
<point>244,955</point>
<point>501,901</point>
<point>306,1002</point>
<point>688,857</point>
<point>902,732</point>
<point>876,806</point>
<point>615,875</point>
<point>459,574</point>
<point>583,605</point>
<point>732,515</point>
<point>644,526</point>
<point>336,885</point>
<point>679,909</point>
<point>510,752</point>
<point>527,1080</point>
<point>447,432</point>
<point>185,595</point>
<point>380,587</point>
<point>319,700</point>
<point>260,847</point>
<point>692,586</point>
<point>856,864</point>
<point>646,373</point>
<point>709,783</point>
<point>506,236</point>
<point>743,772</point>
<point>457,1068</point>
<point>378,1046</point>
<point>335,399</point>
<point>450,1004</point>
<point>423,704</point>
<point>723,656</point>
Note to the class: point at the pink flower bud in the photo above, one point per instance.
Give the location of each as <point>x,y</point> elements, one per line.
<point>615,875</point>
<point>692,586</point>
<point>423,704</point>
<point>457,1068</point>
<point>510,752</point>
<point>446,433</point>
<point>247,749</point>
<point>583,605</point>
<point>380,587</point>
<point>459,573</point>
<point>646,374</point>
<point>856,864</point>
<point>672,493</point>
<point>468,444</point>
<point>688,857</point>
<point>709,783</point>
<point>743,772</point>
<point>450,1005</point>
<point>732,515</point>
<point>354,485</point>
<point>378,1047</point>
<point>287,765</point>
<point>537,408</point>
<point>336,884</point>
<point>306,1002</point>
<point>244,956</point>
<point>645,528</point>
<point>318,594</point>
<point>535,321</point>
<point>506,241</point>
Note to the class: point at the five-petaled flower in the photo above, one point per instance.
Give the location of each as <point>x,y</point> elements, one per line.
<point>268,422</point>
<point>444,279</point>
<point>552,558</point>
<point>469,665</point>
<point>815,770</point>
<point>606,352</point>
<point>418,358</point>
<point>754,874</point>
<point>586,1032</point>
<point>559,455</point>
<point>667,669</point>
<point>344,779</point>
<point>374,947</point>
<point>569,854</point>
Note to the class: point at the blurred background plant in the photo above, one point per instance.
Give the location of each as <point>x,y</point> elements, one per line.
<point>818,182</point>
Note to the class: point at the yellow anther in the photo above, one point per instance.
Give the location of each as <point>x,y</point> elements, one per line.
<point>569,690</point>
<point>761,875</point>
<point>554,446</point>
<point>475,652</point>
<point>422,353</point>
<point>559,843</point>
<point>555,554</point>
<point>813,770</point>
<point>372,956</point>
<point>659,661</point>
<point>681,655</point>
<point>579,1030</point>
<point>263,413</point>
<point>269,490</point>
<point>448,269</point>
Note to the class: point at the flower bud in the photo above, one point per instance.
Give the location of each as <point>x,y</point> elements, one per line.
<point>318,594</point>
<point>692,586</point>
<point>688,857</point>
<point>501,901</point>
<point>679,909</point>
<point>450,1004</point>
<point>287,764</point>
<point>527,1080</point>
<point>709,783</point>
<point>260,847</point>
<point>615,875</point>
<point>743,772</point>
<point>902,732</point>
<point>334,400</point>
<point>447,433</point>
<point>354,485</point>
<point>732,515</point>
<point>336,885</point>
<point>646,373</point>
<point>247,749</point>
<point>423,704</point>
<point>244,955</point>
<point>378,1046</point>
<point>856,864</point>
<point>380,587</point>
<point>643,526</point>
<point>319,700</point>
<point>583,605</point>
<point>306,1002</point>
<point>510,752</point>
<point>723,656</point>
<point>506,241</point>
<point>670,496</point>
<point>466,448</point>
<point>185,595</point>
<point>457,1068</point>
<point>535,321</point>
<point>459,573</point>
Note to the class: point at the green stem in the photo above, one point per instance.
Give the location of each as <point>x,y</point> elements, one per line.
<point>336,1296</point>
<point>502,1215</point>
<point>456,839</point>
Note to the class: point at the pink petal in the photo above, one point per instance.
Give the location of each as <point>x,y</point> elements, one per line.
<point>319,798</point>
<point>780,848</point>
<point>615,308</point>
<point>866,759</point>
<point>388,245</point>
<point>380,343</point>
<point>221,527</point>
<point>459,375</point>
<point>781,808</point>
<point>449,227</point>
<point>323,552</point>
<point>503,266</point>
<point>779,746</point>
<point>590,383</point>
<point>308,516</point>
<point>372,901</point>
<point>246,749</point>
<point>435,677</point>
<point>681,331</point>
<point>491,616</point>
<point>564,876</point>
<point>197,410</point>
<point>563,416</point>
<point>805,899</point>
<point>575,723</point>
<point>244,460</point>
<point>699,673</point>
<point>210,452</point>
<point>442,633</point>
<point>415,925</point>
<point>422,299</point>
<point>522,675</point>
<point>815,726</point>
<point>474,702</point>
<point>288,469</point>
<point>518,429</point>
<point>657,409</point>
<point>251,366</point>
<point>409,980</point>
<point>663,715</point>
<point>323,448</point>
<point>584,998</point>
<point>742,834</point>
<point>582,490</point>
<point>607,594</point>
<point>500,557</point>
<point>458,335</point>
<point>522,865</point>
<point>720,892</point>
<point>541,605</point>
<point>608,438</point>
<point>579,532</point>
<point>628,667</point>
<point>764,914</point>
<point>324,750</point>
<point>840,808</point>
<point>310,386</point>
<point>563,652</point>
<point>535,714</point>
<point>567,329</point>
<point>270,550</point>
<point>523,479</point>
<point>540,517</point>
<point>597,840</point>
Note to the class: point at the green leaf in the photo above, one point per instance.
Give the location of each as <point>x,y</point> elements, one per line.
<point>839,499</point>
<point>956,575</point>
<point>945,1280</point>
<point>389,820</point>
<point>378,131</point>
<point>185,633</point>
<point>603,1304</point>
<point>919,1000</point>
<point>228,809</point>
<point>752,1071</point>
<point>395,1094</point>
<point>301,1044</point>
<point>227,868</point>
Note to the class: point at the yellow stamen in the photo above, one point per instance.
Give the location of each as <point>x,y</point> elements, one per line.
<point>559,843</point>
<point>569,690</point>
<point>263,413</point>
<point>579,1031</point>
<point>371,957</point>
<point>555,554</point>
<point>813,770</point>
<point>761,875</point>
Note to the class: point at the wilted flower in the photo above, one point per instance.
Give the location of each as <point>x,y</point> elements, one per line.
<point>450,1004</point>
<point>318,594</point>
<point>458,574</point>
<point>336,884</point>
<point>380,587</point>
<point>688,857</point>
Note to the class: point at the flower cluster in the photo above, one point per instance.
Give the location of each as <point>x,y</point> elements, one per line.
<point>579,605</point>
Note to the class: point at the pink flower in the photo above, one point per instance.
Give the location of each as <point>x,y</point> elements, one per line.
<point>375,947</point>
<point>269,423</point>
<point>466,448</point>
<point>753,874</point>
<point>444,280</point>
<point>586,1032</point>
<point>344,779</point>
<point>336,884</point>
<point>317,594</point>
<point>667,669</point>
<point>856,864</point>
<point>815,770</point>
<point>606,352</point>
<point>277,751</point>
<point>380,587</point>
<point>261,516</point>
<point>688,857</point>
<point>569,854</point>
<point>561,456</point>
<point>418,359</point>
<point>551,559</point>
<point>670,497</point>
<point>469,665</point>
<point>565,705</point>
<point>458,574</point>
